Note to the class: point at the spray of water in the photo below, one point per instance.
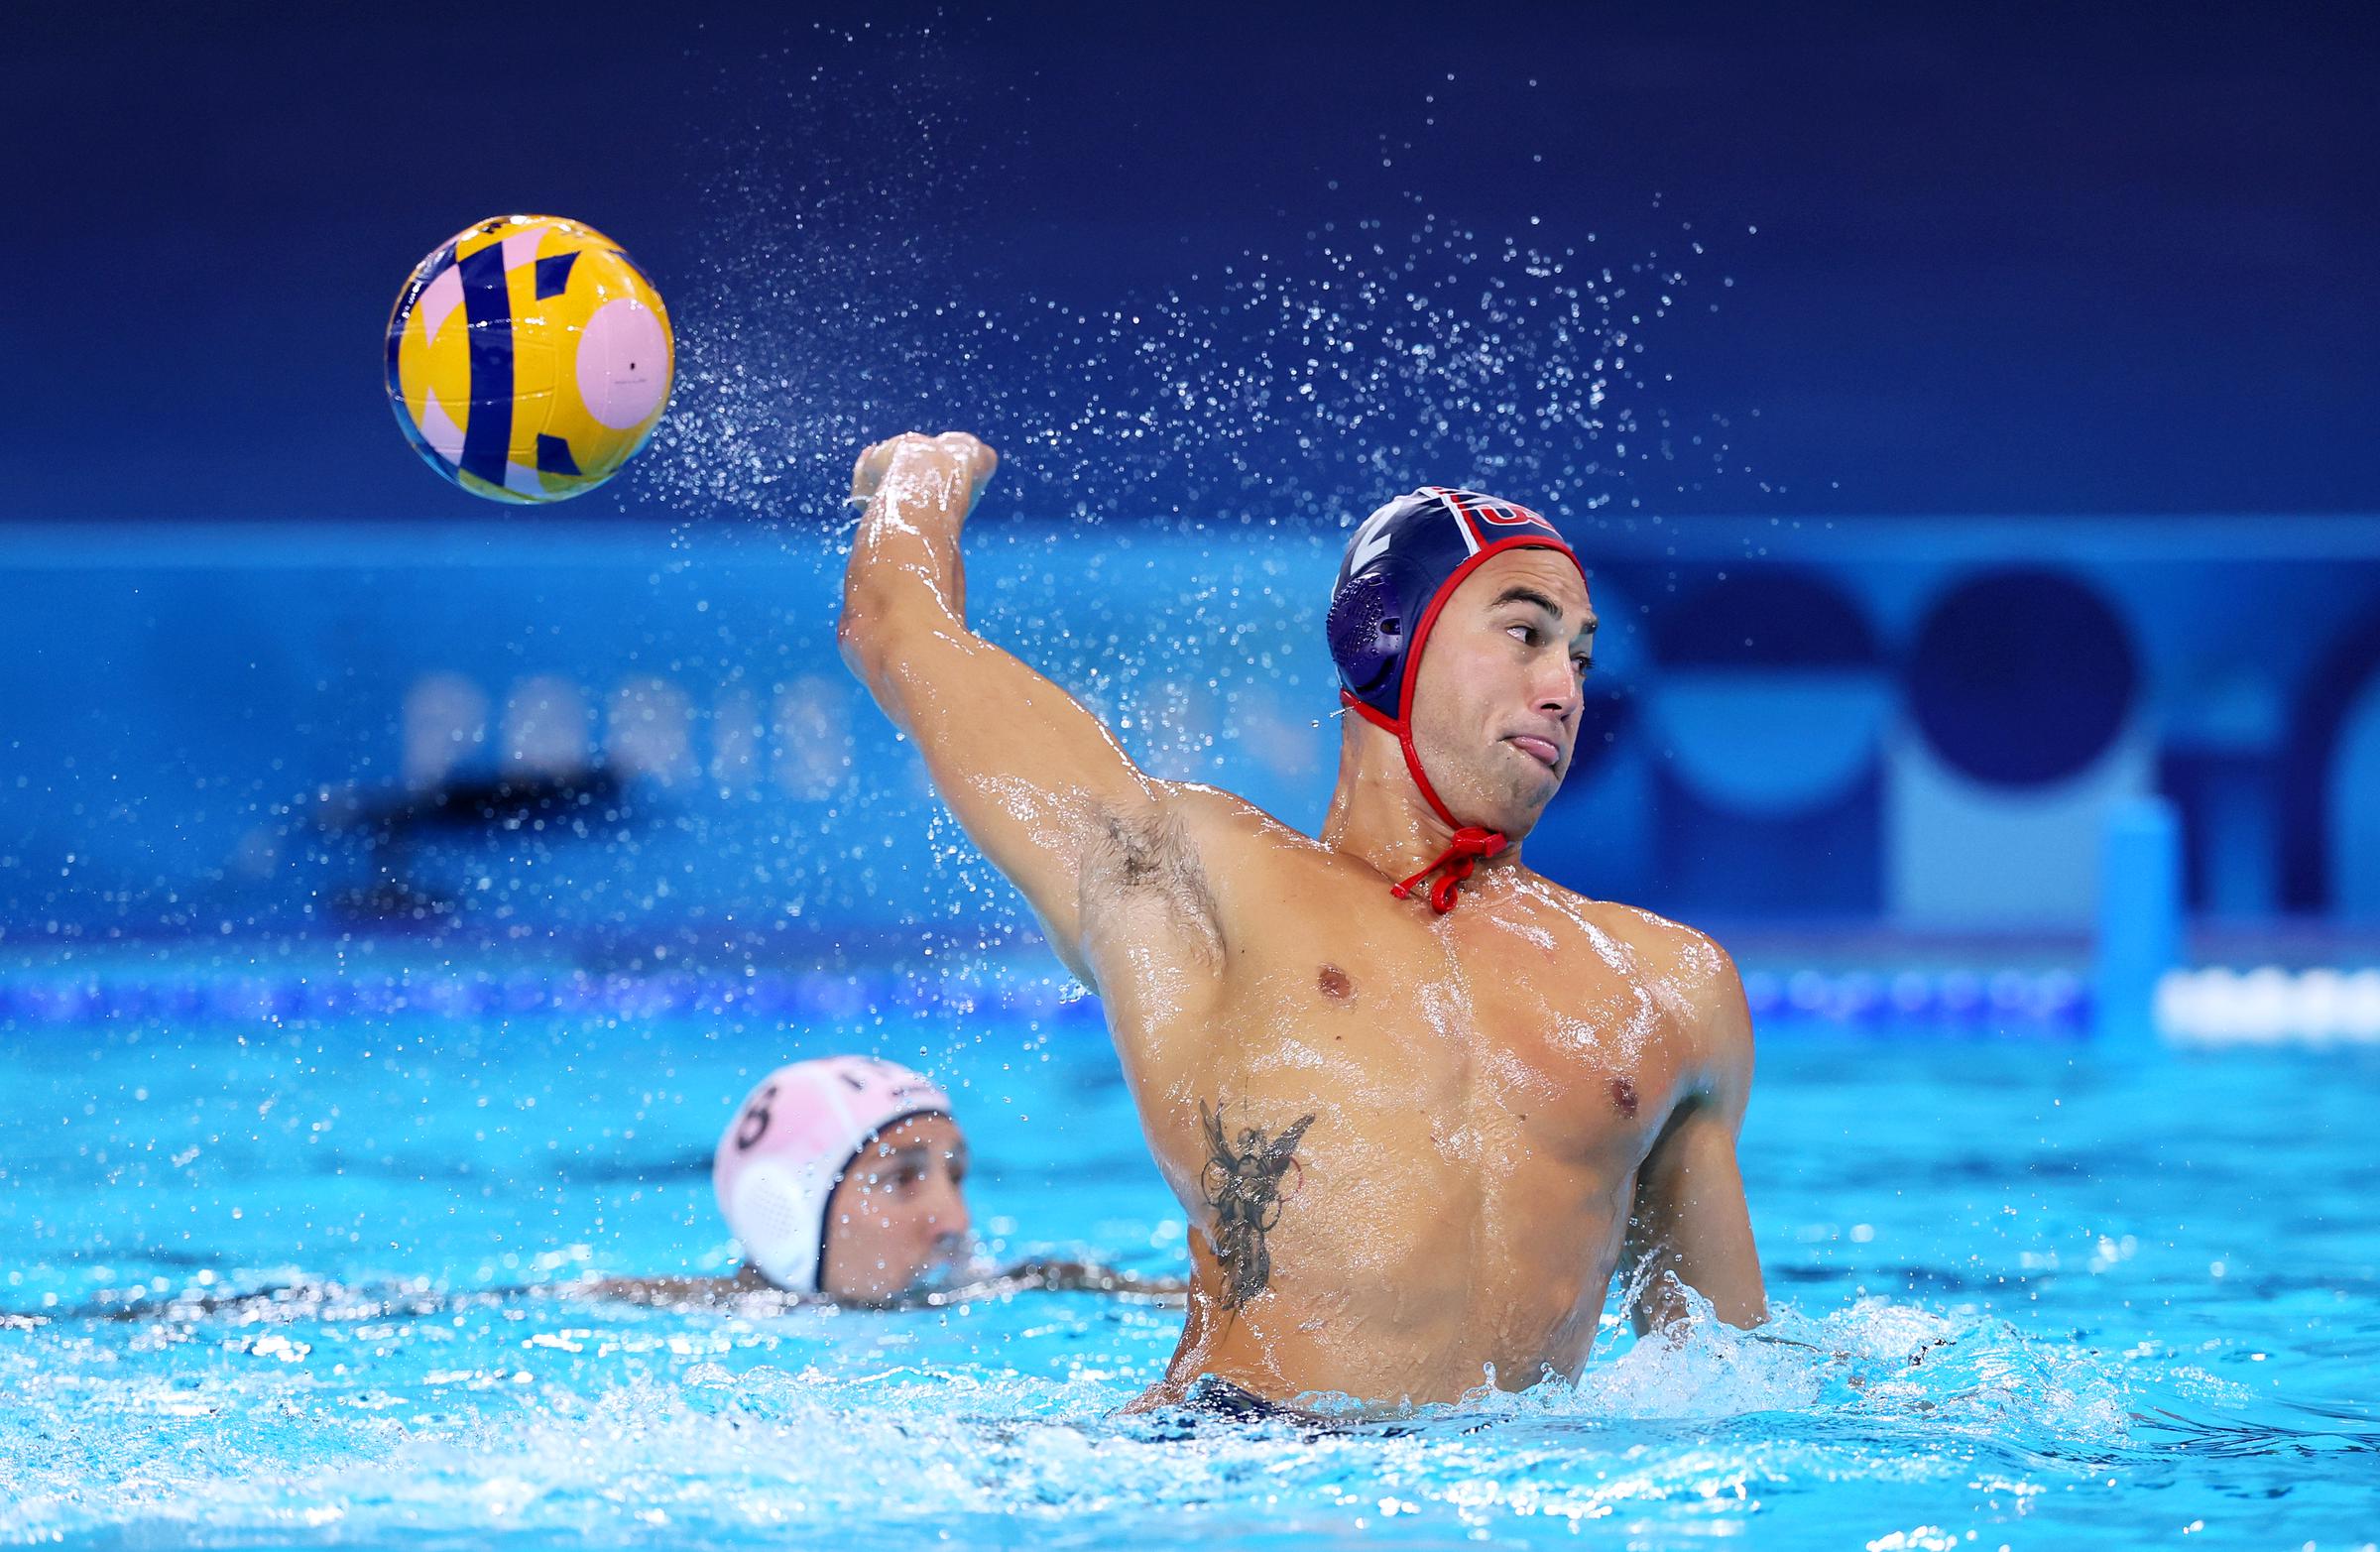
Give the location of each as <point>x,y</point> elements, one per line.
<point>1372,350</point>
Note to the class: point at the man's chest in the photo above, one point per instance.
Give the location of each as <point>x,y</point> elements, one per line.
<point>1518,1033</point>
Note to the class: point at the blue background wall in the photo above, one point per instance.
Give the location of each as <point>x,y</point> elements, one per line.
<point>1841,722</point>
<point>2042,259</point>
<point>1705,279</point>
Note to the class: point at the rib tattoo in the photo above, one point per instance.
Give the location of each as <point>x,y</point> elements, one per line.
<point>1242,1181</point>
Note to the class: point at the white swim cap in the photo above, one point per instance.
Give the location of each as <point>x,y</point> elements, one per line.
<point>787,1145</point>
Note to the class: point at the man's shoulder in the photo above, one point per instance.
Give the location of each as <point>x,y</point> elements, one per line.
<point>1212,816</point>
<point>1653,937</point>
<point>1685,961</point>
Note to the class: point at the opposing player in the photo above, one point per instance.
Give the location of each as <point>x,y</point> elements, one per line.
<point>843,1179</point>
<point>1419,1101</point>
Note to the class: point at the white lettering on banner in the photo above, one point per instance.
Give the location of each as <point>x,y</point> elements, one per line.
<point>445,724</point>
<point>546,728</point>
<point>650,732</point>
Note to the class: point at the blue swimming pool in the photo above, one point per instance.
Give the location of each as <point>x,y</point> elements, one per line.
<point>2147,1295</point>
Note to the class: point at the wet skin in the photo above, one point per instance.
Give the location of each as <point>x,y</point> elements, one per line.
<point>1416,1146</point>
<point>899,1213</point>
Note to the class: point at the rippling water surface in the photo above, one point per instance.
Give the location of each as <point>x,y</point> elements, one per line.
<point>2035,1297</point>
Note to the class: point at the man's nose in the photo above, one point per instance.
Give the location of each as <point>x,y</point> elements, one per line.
<point>1559,692</point>
<point>949,1207</point>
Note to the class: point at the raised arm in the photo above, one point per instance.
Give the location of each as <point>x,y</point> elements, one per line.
<point>1033,777</point>
<point>1690,1218</point>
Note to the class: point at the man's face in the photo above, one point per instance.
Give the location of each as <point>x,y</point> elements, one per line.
<point>1496,708</point>
<point>899,1214</point>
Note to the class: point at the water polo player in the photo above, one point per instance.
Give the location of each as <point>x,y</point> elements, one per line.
<point>1419,1102</point>
<point>843,1179</point>
<point>844,1176</point>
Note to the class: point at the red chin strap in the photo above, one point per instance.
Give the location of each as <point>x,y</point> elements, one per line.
<point>1471,844</point>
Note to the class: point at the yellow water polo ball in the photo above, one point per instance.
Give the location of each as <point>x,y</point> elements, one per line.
<point>529,358</point>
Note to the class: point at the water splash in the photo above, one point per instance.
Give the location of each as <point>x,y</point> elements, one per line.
<point>535,1415</point>
<point>1388,342</point>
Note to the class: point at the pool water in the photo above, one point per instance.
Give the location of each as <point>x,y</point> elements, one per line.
<point>2145,1296</point>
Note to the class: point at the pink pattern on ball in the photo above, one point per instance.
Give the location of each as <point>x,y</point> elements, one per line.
<point>623,364</point>
<point>437,302</point>
<point>521,247</point>
<point>438,428</point>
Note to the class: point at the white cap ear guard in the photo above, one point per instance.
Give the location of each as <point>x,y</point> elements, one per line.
<point>772,1214</point>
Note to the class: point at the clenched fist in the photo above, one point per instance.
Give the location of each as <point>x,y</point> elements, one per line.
<point>948,471</point>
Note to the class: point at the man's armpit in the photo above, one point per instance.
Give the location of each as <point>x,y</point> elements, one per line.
<point>1148,856</point>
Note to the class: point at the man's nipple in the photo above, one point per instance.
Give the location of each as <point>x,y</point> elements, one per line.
<point>1335,983</point>
<point>1623,1097</point>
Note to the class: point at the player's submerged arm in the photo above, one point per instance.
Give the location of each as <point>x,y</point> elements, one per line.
<point>1690,1224</point>
<point>1034,779</point>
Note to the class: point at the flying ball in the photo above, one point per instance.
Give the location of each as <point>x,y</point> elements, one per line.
<point>529,359</point>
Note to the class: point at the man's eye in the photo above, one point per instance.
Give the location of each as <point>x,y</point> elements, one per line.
<point>1526,634</point>
<point>1583,664</point>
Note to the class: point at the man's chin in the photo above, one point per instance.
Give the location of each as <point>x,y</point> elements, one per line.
<point>1509,799</point>
<point>1528,807</point>
<point>1515,820</point>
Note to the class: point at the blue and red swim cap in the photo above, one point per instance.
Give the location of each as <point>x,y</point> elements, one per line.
<point>1401,566</point>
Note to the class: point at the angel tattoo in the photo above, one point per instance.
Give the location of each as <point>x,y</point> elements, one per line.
<point>1242,1181</point>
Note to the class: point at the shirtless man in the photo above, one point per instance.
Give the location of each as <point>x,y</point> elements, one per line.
<point>1417,1125</point>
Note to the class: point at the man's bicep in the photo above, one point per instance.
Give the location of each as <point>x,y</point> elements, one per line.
<point>1690,1225</point>
<point>1033,776</point>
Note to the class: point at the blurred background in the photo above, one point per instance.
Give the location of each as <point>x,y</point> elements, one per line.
<point>1965,414</point>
